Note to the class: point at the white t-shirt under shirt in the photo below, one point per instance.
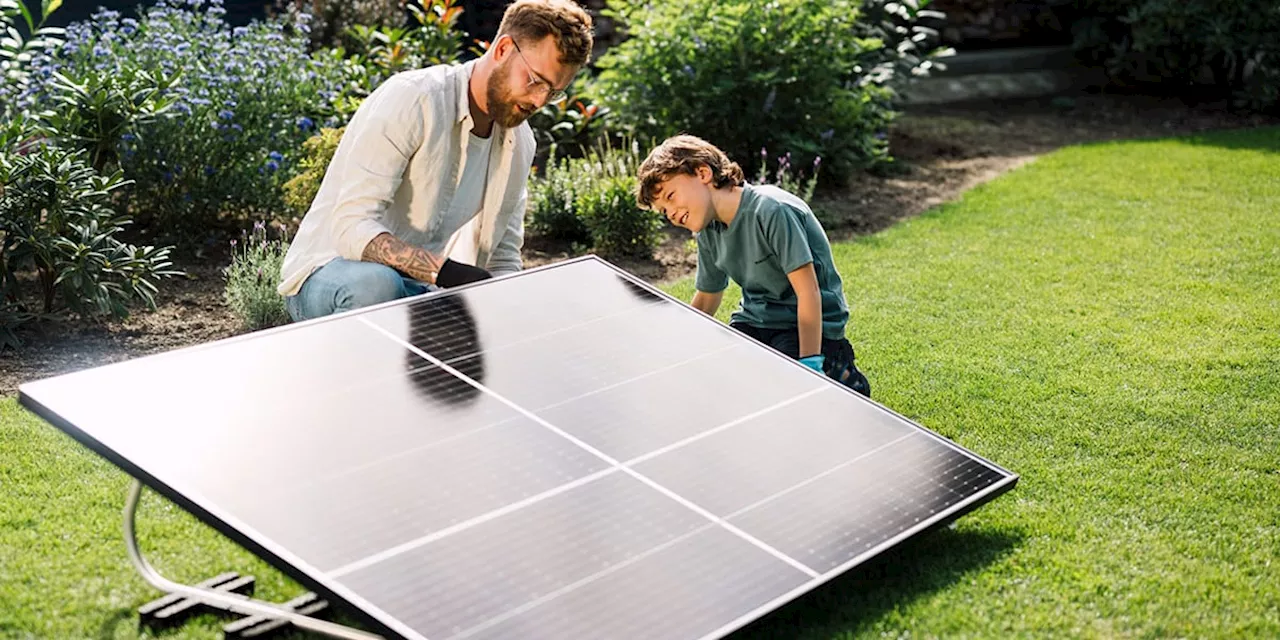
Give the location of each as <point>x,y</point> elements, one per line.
<point>469,196</point>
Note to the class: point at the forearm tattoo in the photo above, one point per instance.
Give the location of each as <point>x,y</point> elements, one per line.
<point>412,261</point>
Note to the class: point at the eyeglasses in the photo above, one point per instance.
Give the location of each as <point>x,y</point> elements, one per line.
<point>536,81</point>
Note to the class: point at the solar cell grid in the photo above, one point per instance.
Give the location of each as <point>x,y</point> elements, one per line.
<point>527,457</point>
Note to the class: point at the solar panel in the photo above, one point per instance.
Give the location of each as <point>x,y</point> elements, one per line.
<point>564,452</point>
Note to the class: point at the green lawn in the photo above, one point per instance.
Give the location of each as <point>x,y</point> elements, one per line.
<point>1104,322</point>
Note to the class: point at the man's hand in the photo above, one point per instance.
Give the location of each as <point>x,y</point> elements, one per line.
<point>415,262</point>
<point>453,274</point>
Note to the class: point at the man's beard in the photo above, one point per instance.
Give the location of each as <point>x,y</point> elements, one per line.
<point>502,107</point>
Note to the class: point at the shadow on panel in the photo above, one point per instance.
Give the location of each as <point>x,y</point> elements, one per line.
<point>445,329</point>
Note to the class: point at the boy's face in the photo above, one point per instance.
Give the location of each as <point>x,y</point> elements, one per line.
<point>685,200</point>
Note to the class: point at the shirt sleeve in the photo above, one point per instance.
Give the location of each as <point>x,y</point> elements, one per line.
<point>506,255</point>
<point>374,152</point>
<point>786,237</point>
<point>710,278</point>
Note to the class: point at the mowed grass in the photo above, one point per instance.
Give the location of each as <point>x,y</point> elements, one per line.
<point>1105,322</point>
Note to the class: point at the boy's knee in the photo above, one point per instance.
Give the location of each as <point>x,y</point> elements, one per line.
<point>855,380</point>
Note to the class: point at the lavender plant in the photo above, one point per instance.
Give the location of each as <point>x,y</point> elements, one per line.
<point>793,180</point>
<point>253,277</point>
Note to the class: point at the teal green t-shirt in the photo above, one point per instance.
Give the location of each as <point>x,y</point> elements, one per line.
<point>773,234</point>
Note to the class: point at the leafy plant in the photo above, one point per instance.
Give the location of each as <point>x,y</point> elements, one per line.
<point>17,70</point>
<point>552,207</point>
<point>252,279</point>
<point>571,125</point>
<point>248,98</point>
<point>375,52</point>
<point>96,110</point>
<point>317,153</point>
<point>56,219</point>
<point>909,45</point>
<point>1223,48</point>
<point>592,200</point>
<point>744,74</point>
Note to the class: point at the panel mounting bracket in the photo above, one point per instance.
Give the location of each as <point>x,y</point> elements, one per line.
<point>226,596</point>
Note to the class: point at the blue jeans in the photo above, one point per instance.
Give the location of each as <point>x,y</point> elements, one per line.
<point>342,285</point>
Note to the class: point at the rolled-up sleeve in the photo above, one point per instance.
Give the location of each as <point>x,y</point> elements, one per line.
<point>375,149</point>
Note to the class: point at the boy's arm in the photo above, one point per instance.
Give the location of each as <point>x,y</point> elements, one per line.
<point>710,282</point>
<point>808,309</point>
<point>707,303</point>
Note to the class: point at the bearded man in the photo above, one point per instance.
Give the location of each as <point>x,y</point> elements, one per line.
<point>428,186</point>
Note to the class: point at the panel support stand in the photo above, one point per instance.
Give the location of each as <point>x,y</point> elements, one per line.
<point>226,593</point>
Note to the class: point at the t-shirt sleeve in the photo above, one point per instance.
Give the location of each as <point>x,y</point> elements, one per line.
<point>710,278</point>
<point>785,236</point>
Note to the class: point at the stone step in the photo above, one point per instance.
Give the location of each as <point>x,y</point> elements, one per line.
<point>1010,60</point>
<point>1025,72</point>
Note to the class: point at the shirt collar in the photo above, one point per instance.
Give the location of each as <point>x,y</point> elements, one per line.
<point>462,79</point>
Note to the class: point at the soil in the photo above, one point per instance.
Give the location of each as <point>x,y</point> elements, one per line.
<point>941,151</point>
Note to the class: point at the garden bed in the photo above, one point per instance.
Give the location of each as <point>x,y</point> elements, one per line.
<point>944,150</point>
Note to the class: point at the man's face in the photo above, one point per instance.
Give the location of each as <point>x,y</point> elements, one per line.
<point>526,78</point>
<point>685,200</point>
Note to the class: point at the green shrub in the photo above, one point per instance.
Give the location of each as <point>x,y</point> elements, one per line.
<point>94,109</point>
<point>591,200</point>
<point>247,98</point>
<point>617,226</point>
<point>252,279</point>
<point>746,74</point>
<point>317,153</point>
<point>552,209</point>
<point>572,126</point>
<point>375,52</point>
<point>23,66</point>
<point>910,47</point>
<point>1228,48</point>
<point>56,220</point>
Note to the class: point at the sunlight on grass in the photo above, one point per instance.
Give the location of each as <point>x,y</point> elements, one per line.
<point>1104,322</point>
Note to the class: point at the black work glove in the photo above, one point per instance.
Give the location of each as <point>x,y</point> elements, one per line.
<point>453,274</point>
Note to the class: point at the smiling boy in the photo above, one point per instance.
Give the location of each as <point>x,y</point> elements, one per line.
<point>766,240</point>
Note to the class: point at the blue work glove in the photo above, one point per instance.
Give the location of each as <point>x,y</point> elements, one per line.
<point>813,362</point>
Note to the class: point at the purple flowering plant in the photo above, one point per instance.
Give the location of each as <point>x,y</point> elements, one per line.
<point>246,99</point>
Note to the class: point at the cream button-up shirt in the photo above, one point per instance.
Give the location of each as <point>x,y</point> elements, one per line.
<point>397,170</point>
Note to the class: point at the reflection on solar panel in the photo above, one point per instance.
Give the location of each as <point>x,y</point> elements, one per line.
<point>560,453</point>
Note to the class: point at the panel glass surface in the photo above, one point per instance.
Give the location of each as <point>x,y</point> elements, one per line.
<point>563,453</point>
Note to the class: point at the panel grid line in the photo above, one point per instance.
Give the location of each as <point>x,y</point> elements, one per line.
<point>853,562</point>
<point>824,474</point>
<point>540,336</point>
<point>602,455</point>
<point>728,425</point>
<point>485,517</point>
<point>647,374</point>
<point>533,604</point>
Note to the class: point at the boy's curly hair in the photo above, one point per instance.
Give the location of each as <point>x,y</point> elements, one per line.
<point>684,154</point>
